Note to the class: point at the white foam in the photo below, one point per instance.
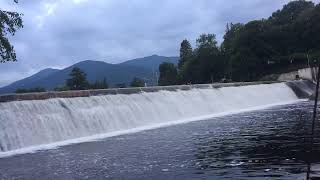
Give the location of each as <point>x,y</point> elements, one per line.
<point>34,149</point>
<point>28,126</point>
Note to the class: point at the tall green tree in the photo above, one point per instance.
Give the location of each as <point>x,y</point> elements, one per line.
<point>227,46</point>
<point>185,53</point>
<point>186,56</point>
<point>168,74</point>
<point>136,82</point>
<point>78,80</point>
<point>251,52</point>
<point>10,22</point>
<point>208,63</point>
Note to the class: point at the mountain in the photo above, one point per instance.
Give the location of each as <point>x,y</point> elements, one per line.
<point>29,81</point>
<point>96,70</point>
<point>151,62</point>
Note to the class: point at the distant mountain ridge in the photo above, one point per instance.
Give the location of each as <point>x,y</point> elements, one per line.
<point>151,62</point>
<point>49,79</point>
<point>25,83</point>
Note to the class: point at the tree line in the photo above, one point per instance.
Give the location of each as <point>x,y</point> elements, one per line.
<point>78,81</point>
<point>287,40</point>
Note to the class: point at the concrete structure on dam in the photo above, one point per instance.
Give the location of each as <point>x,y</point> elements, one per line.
<point>306,73</point>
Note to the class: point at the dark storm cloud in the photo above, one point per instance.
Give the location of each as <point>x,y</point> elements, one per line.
<point>58,33</point>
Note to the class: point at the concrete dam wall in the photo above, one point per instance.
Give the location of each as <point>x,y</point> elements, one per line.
<point>88,93</point>
<point>40,120</point>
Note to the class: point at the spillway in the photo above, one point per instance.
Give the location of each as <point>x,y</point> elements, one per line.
<point>32,123</point>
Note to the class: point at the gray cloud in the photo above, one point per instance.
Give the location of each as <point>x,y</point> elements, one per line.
<point>58,33</point>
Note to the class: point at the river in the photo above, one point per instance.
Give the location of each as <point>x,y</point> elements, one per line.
<point>263,144</point>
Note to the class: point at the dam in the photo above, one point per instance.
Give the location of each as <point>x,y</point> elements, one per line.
<point>41,119</point>
<point>183,132</point>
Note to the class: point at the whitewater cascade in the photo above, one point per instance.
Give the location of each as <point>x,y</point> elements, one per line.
<point>38,122</point>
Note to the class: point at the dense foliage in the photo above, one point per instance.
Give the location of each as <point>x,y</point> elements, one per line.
<point>287,40</point>
<point>78,81</point>
<point>62,88</point>
<point>168,74</point>
<point>99,84</point>
<point>10,22</point>
<point>38,89</point>
<point>136,82</point>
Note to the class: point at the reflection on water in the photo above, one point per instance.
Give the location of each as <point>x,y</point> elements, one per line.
<point>272,144</point>
<point>265,144</point>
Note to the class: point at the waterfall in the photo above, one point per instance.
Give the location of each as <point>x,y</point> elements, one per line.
<point>32,123</point>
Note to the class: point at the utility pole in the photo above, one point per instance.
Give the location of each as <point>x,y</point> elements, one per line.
<point>314,119</point>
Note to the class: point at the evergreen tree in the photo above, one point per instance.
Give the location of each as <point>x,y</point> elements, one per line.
<point>185,53</point>
<point>78,80</point>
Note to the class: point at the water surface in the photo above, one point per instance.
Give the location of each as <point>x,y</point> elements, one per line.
<point>264,144</point>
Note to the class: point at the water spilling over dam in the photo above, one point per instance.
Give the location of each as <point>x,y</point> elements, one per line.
<point>38,122</point>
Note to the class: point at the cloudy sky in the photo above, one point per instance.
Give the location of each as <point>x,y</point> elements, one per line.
<point>59,33</point>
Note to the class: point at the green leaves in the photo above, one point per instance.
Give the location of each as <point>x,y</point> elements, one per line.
<point>99,84</point>
<point>289,31</point>
<point>32,90</point>
<point>10,22</point>
<point>207,41</point>
<point>136,82</point>
<point>185,53</point>
<point>168,74</point>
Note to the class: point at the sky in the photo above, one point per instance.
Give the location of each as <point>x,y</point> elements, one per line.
<point>59,33</point>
